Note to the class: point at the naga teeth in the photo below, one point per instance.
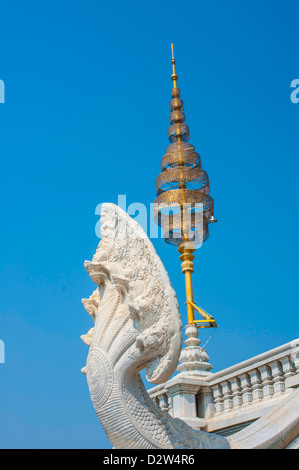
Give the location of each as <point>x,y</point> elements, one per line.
<point>83,370</point>
<point>88,337</point>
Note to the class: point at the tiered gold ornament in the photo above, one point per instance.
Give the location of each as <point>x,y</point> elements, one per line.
<point>183,207</point>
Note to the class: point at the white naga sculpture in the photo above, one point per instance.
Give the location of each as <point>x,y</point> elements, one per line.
<point>137,326</point>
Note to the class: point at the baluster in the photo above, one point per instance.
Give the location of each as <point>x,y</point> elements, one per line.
<point>217,393</point>
<point>295,357</point>
<point>236,392</point>
<point>267,382</point>
<point>227,395</point>
<point>278,378</point>
<point>287,367</point>
<point>256,383</point>
<point>246,388</point>
<point>163,402</point>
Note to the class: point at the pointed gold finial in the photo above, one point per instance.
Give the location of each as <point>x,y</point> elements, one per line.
<point>174,76</point>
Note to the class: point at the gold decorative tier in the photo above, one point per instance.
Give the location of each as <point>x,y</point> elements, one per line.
<point>183,207</point>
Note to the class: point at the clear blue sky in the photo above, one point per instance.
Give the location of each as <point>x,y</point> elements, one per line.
<point>85,119</point>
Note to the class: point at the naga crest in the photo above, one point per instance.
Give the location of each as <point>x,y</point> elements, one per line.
<point>134,302</point>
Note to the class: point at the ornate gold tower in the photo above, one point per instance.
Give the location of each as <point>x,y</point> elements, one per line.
<point>183,207</point>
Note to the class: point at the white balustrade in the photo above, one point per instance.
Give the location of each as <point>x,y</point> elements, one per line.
<point>251,384</point>
<point>256,380</point>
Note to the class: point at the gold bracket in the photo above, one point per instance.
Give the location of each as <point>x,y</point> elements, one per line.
<point>207,318</point>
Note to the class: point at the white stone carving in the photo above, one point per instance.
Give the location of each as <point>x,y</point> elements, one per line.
<point>136,326</point>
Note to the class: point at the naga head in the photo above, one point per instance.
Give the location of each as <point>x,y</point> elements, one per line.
<point>134,307</point>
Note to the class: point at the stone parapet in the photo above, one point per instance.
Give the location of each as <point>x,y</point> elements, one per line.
<point>233,397</point>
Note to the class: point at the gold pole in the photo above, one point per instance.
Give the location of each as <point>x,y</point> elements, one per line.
<point>186,249</point>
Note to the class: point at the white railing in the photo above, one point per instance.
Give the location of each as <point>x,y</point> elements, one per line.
<point>257,381</point>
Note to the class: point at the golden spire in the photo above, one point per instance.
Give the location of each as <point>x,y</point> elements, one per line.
<point>183,207</point>
<point>174,76</point>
